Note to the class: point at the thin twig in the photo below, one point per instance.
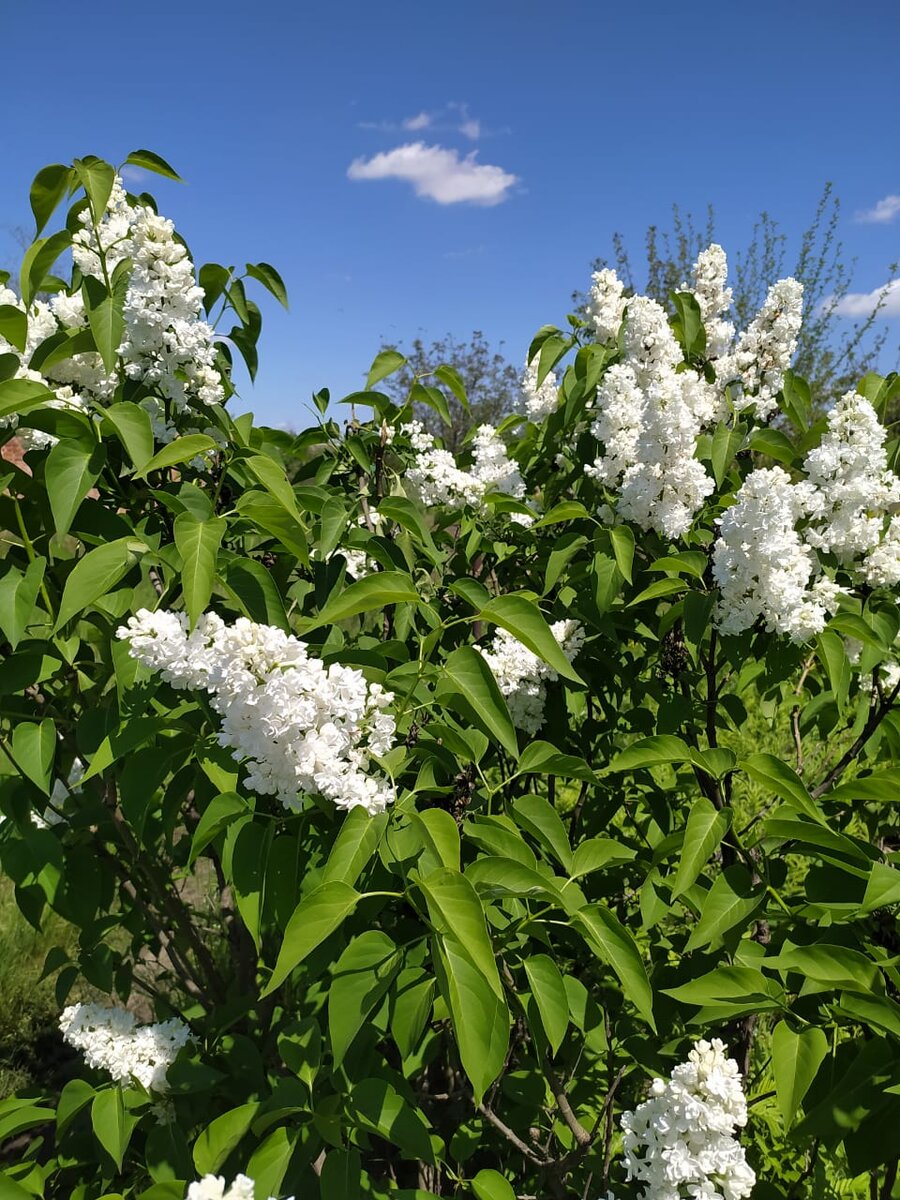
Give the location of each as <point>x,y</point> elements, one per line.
<point>877,713</point>
<point>510,1136</point>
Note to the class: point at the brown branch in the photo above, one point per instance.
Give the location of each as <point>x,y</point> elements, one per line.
<point>798,744</point>
<point>511,1136</point>
<point>877,713</point>
<point>581,1135</point>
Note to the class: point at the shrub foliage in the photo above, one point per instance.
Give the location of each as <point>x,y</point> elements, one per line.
<point>601,825</point>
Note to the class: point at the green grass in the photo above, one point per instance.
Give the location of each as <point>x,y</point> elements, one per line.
<point>28,1009</point>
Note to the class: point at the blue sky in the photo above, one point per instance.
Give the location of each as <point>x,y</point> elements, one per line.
<point>603,114</point>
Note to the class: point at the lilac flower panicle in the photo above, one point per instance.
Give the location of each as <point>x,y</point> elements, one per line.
<point>680,1142</point>
<point>212,1187</point>
<point>299,726</point>
<point>522,677</point>
<point>112,1040</point>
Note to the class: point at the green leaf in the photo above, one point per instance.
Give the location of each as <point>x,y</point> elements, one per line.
<point>214,280</point>
<point>614,945</point>
<point>407,515</point>
<point>725,444</point>
<point>255,591</point>
<point>94,575</point>
<point>132,425</point>
<point>480,1016</point>
<point>71,470</point>
<point>372,592</point>
<point>783,781</point>
<point>491,1185</point>
<point>384,364</point>
<point>623,548</point>
<point>598,852</point>
<point>22,395</point>
<point>34,749</point>
<point>37,261</point>
<point>222,1136</point>
<point>269,1162</point>
<point>796,401</point>
<point>736,988</point>
<point>455,910</point>
<point>59,347</point>
<point>183,449</point>
<point>270,279</point>
<point>566,510</point>
<point>705,828</point>
<point>359,980</point>
<point>879,1011</point>
<point>97,179</point>
<point>774,444</point>
<point>549,993</point>
<point>441,836</point>
<point>543,822</point>
<point>687,323</point>
<point>148,161</point>
<point>432,397</point>
<point>729,904</point>
<point>453,380</point>
<point>217,816</point>
<point>495,875</point>
<point>662,587</point>
<point>300,1047</point>
<point>837,966</point>
<point>315,917</point>
<point>832,653</point>
<point>112,1125</point>
<point>50,185</point>
<point>106,316</point>
<point>248,874</point>
<point>651,752</point>
<point>198,544</point>
<point>540,758</point>
<point>882,888</point>
<point>18,594</point>
<point>523,619</point>
<point>13,325</point>
<point>882,786</point>
<point>273,519</point>
<point>341,1177</point>
<point>468,677</point>
<point>357,840</point>
<point>379,1107</point>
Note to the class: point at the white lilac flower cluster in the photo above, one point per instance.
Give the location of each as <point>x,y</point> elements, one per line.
<point>522,677</point>
<point>113,1041</point>
<point>680,1142</point>
<point>539,402</point>
<point>212,1187</point>
<point>165,345</point>
<point>651,408</point>
<point>766,561</point>
<point>437,479</point>
<point>41,324</point>
<point>300,727</point>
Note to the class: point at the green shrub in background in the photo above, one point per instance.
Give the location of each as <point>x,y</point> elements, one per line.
<point>402,808</point>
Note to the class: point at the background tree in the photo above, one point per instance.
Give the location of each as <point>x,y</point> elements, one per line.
<point>492,383</point>
<point>832,352</point>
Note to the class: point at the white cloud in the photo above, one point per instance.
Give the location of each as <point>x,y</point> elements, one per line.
<point>437,173</point>
<point>421,121</point>
<point>860,304</point>
<point>883,213</point>
<point>471,128</point>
